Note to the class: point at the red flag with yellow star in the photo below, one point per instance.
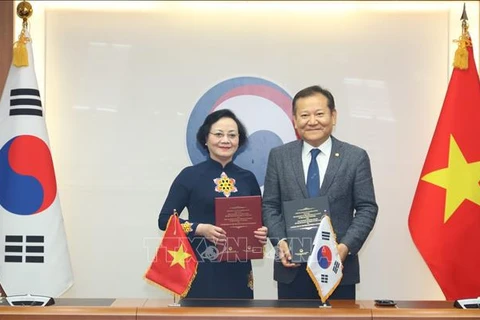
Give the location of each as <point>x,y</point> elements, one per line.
<point>174,266</point>
<point>444,219</point>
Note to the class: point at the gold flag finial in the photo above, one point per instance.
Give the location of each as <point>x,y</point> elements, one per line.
<point>461,54</point>
<point>20,53</point>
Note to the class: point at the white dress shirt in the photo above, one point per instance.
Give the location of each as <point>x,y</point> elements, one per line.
<point>322,158</point>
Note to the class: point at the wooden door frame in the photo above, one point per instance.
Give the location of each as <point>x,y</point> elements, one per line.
<point>6,39</point>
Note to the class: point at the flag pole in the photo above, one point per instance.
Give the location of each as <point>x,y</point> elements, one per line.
<point>464,18</point>
<point>20,53</point>
<point>461,54</point>
<point>175,303</point>
<point>24,11</point>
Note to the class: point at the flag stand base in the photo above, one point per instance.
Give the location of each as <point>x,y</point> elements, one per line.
<point>175,304</point>
<point>325,304</point>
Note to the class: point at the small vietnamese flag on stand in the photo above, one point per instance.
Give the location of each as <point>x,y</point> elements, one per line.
<point>174,267</point>
<point>444,219</point>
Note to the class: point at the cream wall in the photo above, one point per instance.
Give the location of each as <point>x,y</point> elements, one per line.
<point>111,219</point>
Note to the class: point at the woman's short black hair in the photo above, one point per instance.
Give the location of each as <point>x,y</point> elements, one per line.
<point>213,117</point>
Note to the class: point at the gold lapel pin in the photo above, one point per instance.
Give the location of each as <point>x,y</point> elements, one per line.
<point>337,154</point>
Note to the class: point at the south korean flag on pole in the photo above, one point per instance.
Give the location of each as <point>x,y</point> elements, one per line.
<point>34,257</point>
<point>324,264</point>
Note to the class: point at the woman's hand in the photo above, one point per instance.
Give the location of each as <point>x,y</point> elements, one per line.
<point>261,235</point>
<point>212,233</point>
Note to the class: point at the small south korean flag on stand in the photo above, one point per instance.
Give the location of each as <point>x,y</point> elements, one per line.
<point>324,264</point>
<point>34,257</point>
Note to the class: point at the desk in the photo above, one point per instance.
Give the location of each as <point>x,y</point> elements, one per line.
<point>77,309</point>
<point>258,309</point>
<point>153,309</point>
<point>421,310</point>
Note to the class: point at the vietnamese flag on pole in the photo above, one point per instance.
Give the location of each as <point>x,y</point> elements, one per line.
<point>444,219</point>
<point>174,267</point>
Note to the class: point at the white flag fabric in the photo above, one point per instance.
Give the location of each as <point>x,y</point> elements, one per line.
<point>324,264</point>
<point>34,257</point>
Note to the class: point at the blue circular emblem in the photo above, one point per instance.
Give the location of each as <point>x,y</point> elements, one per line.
<point>262,106</point>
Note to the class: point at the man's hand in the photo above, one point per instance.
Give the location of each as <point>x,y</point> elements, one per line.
<point>285,255</point>
<point>342,251</point>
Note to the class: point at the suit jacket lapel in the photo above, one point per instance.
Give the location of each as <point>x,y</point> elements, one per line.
<point>296,158</point>
<point>333,165</point>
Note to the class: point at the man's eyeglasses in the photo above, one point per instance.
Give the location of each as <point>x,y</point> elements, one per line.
<point>221,135</point>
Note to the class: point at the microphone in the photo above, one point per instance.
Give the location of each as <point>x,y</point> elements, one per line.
<point>473,303</point>
<point>30,300</point>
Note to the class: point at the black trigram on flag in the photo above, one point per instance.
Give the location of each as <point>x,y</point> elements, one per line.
<point>325,235</point>
<point>32,250</point>
<point>25,102</point>
<point>336,265</point>
<point>324,278</point>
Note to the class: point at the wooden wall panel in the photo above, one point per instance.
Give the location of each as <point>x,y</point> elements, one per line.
<point>6,39</point>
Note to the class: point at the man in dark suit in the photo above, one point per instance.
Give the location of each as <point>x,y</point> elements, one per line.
<point>344,176</point>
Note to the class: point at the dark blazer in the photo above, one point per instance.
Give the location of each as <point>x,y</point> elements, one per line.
<point>348,184</point>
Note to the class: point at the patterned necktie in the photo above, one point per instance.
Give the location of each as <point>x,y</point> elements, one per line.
<point>313,176</point>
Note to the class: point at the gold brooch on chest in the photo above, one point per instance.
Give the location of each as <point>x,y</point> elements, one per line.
<point>225,185</point>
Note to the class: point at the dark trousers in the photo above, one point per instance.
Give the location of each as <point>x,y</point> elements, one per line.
<point>304,288</point>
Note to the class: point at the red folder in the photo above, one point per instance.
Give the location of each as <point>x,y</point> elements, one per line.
<point>239,217</point>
